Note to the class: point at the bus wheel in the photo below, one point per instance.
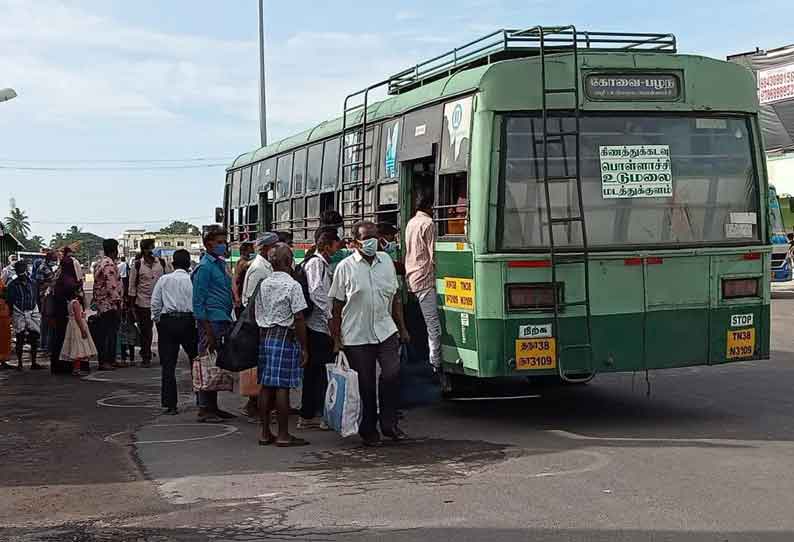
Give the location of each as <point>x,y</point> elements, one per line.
<point>454,385</point>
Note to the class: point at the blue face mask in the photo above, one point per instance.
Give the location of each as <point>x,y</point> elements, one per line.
<point>369,247</point>
<point>219,250</point>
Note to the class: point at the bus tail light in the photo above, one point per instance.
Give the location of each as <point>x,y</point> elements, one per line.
<point>531,296</point>
<point>739,288</point>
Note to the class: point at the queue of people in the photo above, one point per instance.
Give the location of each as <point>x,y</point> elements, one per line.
<point>342,296</point>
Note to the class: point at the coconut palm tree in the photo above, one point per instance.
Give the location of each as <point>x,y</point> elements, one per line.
<point>18,223</point>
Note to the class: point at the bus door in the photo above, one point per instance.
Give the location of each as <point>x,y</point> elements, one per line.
<point>416,175</point>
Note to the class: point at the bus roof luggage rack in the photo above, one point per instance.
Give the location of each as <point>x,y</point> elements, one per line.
<point>507,44</point>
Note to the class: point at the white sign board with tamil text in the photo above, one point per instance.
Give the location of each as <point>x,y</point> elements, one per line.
<point>635,171</point>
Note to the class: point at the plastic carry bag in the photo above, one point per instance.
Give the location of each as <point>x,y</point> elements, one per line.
<point>342,400</point>
<point>208,377</point>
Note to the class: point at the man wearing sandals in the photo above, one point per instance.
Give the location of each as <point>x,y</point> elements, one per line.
<point>212,309</point>
<point>368,322</point>
<point>282,348</point>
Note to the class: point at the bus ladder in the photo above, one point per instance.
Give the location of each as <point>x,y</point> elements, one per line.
<point>570,43</point>
<point>354,147</point>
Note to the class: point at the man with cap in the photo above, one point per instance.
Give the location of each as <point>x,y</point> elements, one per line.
<point>260,268</point>
<point>257,271</point>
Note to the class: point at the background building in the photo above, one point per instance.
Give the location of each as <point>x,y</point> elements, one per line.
<point>8,245</point>
<point>774,72</point>
<point>164,243</point>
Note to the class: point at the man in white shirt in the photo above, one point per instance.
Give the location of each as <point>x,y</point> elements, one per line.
<point>260,268</point>
<point>315,378</point>
<point>282,351</point>
<point>368,322</point>
<point>172,311</point>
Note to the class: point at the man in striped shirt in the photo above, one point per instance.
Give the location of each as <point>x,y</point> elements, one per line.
<point>23,300</point>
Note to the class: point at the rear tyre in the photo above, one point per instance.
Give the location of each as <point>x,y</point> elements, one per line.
<point>454,386</point>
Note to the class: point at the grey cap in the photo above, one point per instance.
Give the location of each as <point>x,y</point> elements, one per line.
<point>267,239</point>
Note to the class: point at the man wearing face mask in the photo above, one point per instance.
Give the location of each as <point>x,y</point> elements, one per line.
<point>367,321</point>
<point>212,309</point>
<point>260,267</point>
<point>258,270</point>
<point>143,276</point>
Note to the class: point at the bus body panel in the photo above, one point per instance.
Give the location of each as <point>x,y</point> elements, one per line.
<point>652,308</point>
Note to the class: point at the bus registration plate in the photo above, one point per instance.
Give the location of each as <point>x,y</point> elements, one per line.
<point>741,343</point>
<point>535,354</point>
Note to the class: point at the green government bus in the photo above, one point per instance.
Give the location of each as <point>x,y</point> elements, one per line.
<point>600,200</point>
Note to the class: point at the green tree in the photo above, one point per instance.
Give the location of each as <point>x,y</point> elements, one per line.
<point>18,223</point>
<point>177,227</point>
<point>36,243</point>
<point>89,245</point>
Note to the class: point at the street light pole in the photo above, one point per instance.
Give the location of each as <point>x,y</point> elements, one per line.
<point>7,94</point>
<point>262,100</point>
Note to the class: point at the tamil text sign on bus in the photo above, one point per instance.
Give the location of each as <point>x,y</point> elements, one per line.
<point>776,84</point>
<point>636,171</point>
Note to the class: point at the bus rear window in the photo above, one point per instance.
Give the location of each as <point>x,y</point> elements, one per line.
<point>646,180</point>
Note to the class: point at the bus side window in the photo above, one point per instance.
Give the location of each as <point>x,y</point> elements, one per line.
<point>452,207</point>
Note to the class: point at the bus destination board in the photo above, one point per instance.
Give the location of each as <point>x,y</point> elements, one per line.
<point>628,87</point>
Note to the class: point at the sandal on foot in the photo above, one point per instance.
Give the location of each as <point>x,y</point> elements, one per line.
<point>267,441</point>
<point>293,441</point>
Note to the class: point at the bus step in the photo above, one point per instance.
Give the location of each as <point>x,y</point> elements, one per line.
<point>560,90</point>
<point>566,220</point>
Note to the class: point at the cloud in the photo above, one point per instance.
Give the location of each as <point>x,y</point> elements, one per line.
<point>75,65</point>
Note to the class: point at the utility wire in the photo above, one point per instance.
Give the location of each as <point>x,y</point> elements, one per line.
<point>114,222</point>
<point>131,161</point>
<point>111,168</point>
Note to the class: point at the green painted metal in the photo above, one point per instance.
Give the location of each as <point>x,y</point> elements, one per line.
<point>644,316</point>
<point>512,85</point>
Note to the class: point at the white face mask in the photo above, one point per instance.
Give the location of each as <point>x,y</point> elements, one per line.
<point>369,247</point>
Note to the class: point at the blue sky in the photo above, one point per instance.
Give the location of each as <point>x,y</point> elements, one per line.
<point>172,79</point>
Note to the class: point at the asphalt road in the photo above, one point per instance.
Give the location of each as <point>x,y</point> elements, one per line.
<point>707,456</point>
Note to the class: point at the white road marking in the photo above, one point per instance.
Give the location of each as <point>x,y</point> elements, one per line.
<point>651,440</point>
<point>108,401</point>
<point>509,398</point>
<point>228,430</point>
